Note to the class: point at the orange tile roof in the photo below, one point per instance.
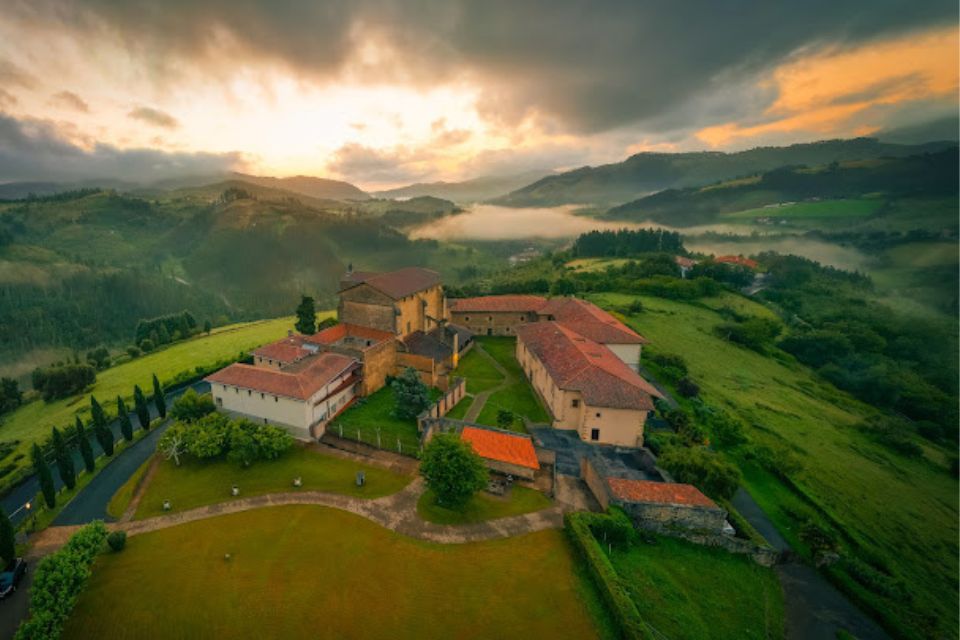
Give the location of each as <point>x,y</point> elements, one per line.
<point>497,304</point>
<point>337,332</point>
<point>590,321</point>
<point>738,260</point>
<point>300,381</point>
<point>505,447</point>
<point>631,490</point>
<point>579,364</point>
<point>289,349</point>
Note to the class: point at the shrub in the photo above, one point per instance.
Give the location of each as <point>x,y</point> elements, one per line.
<point>117,540</point>
<point>779,461</point>
<point>207,437</point>
<point>705,470</point>
<point>672,365</point>
<point>64,380</point>
<point>453,470</point>
<point>146,345</point>
<point>133,351</point>
<point>753,333</point>
<point>892,433</point>
<point>504,418</point>
<point>688,388</point>
<point>192,406</point>
<point>58,580</point>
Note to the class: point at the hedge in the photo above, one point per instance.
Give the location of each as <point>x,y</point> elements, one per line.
<point>59,579</point>
<point>614,593</point>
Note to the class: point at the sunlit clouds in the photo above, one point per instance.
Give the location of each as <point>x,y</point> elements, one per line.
<point>380,95</point>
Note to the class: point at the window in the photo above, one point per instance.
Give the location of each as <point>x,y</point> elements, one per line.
<point>408,326</point>
<point>598,414</point>
<point>219,402</point>
<point>276,399</point>
<point>249,393</point>
<point>466,318</point>
<point>508,329</point>
<point>489,318</point>
<point>595,434</point>
<point>575,403</point>
<point>236,389</point>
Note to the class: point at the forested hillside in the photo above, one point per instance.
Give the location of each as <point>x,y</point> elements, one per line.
<point>80,269</point>
<point>646,173</point>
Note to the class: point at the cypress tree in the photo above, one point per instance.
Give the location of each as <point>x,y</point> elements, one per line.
<point>126,428</point>
<point>96,412</point>
<point>140,405</point>
<point>44,475</point>
<point>158,399</point>
<point>105,437</point>
<point>64,460</point>
<point>8,544</point>
<point>83,441</point>
<point>306,316</point>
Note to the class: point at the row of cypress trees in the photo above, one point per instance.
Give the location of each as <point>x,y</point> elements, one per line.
<point>62,455</point>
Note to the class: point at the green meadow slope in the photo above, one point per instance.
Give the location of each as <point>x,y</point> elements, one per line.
<point>896,515</point>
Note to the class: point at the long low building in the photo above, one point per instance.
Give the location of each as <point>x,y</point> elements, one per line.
<point>587,388</point>
<point>303,396</point>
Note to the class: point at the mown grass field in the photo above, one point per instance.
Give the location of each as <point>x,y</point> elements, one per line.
<point>198,483</point>
<point>896,513</point>
<point>483,506</point>
<point>311,572</point>
<point>699,593</point>
<point>33,421</point>
<point>121,499</point>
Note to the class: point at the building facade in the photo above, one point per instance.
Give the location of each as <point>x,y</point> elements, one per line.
<point>399,302</point>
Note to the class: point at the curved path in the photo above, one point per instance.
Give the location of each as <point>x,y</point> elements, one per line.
<point>480,399</point>
<point>397,512</point>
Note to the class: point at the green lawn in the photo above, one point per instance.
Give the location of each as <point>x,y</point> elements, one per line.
<point>483,506</point>
<point>896,513</point>
<point>197,483</point>
<point>479,372</point>
<point>33,421</point>
<point>461,408</point>
<point>693,592</point>
<point>376,411</point>
<point>518,396</point>
<point>121,499</point>
<point>311,572</point>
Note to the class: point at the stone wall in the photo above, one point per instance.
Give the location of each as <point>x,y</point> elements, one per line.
<point>379,361</point>
<point>761,554</point>
<point>446,402</point>
<point>647,515</point>
<point>492,323</point>
<point>596,484</point>
<point>365,306</point>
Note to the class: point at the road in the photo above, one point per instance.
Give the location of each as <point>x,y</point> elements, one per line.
<point>815,609</point>
<point>27,490</point>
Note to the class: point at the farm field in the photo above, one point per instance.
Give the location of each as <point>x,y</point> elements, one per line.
<point>33,421</point>
<point>312,572</point>
<point>898,514</point>
<point>821,209</point>
<point>199,483</point>
<point>700,593</point>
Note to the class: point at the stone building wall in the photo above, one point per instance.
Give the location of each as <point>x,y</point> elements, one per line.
<point>365,306</point>
<point>492,323</point>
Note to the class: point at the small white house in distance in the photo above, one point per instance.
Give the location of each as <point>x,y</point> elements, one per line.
<point>303,396</point>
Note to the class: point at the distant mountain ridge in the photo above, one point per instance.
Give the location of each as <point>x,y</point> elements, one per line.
<point>646,173</point>
<point>324,188</point>
<point>467,191</point>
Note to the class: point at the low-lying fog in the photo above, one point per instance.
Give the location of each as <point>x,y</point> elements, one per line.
<point>490,222</point>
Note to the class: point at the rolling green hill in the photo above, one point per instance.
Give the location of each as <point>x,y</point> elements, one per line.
<point>645,173</point>
<point>80,269</point>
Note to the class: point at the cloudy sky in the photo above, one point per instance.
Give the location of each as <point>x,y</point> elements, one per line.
<point>384,92</point>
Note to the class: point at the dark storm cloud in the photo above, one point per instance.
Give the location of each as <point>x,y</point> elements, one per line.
<point>35,150</point>
<point>592,65</point>
<point>154,117</point>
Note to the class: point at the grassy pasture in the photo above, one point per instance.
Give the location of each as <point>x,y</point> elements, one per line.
<point>851,208</point>
<point>897,513</point>
<point>694,592</point>
<point>311,572</point>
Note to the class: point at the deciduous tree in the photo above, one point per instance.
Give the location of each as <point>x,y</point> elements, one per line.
<point>453,470</point>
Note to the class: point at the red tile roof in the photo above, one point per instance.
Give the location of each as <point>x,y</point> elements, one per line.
<point>505,447</point>
<point>658,492</point>
<point>686,263</point>
<point>284,351</point>
<point>590,321</point>
<point>497,304</point>
<point>577,363</point>
<point>737,260</point>
<point>300,381</point>
<point>396,284</point>
<point>336,333</point>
